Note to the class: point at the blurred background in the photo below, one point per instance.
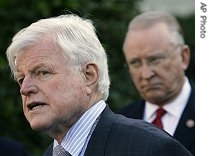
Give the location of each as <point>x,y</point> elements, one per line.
<point>111,18</point>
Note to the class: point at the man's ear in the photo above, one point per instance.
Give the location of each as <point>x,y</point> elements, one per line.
<point>90,72</point>
<point>185,54</point>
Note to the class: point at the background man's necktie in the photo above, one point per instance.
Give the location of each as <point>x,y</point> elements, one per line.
<point>60,151</point>
<point>159,114</point>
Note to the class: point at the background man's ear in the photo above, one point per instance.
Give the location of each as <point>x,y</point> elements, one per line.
<point>185,54</point>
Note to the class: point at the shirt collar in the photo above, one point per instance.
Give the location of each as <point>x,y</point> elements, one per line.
<point>175,107</point>
<point>75,138</point>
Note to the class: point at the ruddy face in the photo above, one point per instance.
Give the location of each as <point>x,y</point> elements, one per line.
<point>155,63</point>
<point>53,95</point>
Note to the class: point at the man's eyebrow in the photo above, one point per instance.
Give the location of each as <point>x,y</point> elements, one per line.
<point>33,68</point>
<point>37,66</point>
<point>157,55</point>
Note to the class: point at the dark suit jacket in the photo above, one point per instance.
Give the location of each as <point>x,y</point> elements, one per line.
<point>10,147</point>
<point>116,135</point>
<point>184,133</point>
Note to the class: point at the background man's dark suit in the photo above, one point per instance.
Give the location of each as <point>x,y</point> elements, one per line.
<point>10,147</point>
<point>185,131</point>
<point>141,138</point>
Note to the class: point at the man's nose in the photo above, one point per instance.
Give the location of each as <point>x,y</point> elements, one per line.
<point>28,87</point>
<point>146,71</point>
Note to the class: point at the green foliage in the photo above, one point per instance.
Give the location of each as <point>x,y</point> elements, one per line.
<point>188,25</point>
<point>110,17</point>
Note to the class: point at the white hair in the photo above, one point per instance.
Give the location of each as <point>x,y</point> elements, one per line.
<point>150,18</point>
<point>74,35</point>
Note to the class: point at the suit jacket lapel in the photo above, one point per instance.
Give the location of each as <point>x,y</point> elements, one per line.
<point>185,131</point>
<point>49,150</point>
<point>98,141</point>
<point>141,109</point>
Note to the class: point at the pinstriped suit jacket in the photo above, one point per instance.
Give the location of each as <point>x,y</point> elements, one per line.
<point>116,135</point>
<point>184,133</point>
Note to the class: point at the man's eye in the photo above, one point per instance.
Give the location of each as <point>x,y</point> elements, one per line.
<point>20,81</point>
<point>135,63</point>
<point>155,60</point>
<point>42,72</point>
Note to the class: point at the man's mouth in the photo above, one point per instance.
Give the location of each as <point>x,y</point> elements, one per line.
<point>35,105</point>
<point>151,87</point>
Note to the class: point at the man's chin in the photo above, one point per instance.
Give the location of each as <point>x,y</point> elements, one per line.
<point>154,98</point>
<point>40,127</point>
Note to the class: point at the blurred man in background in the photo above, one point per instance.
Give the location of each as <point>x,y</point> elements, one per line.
<point>157,58</point>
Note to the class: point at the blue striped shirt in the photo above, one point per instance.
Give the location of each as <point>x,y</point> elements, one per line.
<point>76,139</point>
